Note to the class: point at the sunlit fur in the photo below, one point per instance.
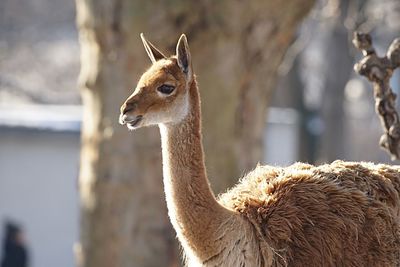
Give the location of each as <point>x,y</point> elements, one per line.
<point>338,214</point>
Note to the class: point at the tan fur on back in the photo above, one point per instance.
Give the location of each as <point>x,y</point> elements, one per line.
<point>339,214</point>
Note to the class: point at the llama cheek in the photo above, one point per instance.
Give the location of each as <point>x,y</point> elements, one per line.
<point>154,118</point>
<point>179,110</point>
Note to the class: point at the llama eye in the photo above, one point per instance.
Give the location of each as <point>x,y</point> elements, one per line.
<point>166,89</point>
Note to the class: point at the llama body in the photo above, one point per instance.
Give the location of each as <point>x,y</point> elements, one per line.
<point>342,214</point>
<point>339,214</point>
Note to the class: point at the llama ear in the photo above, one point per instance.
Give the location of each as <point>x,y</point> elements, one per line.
<point>153,53</point>
<point>183,55</point>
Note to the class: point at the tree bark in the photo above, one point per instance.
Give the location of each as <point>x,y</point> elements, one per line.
<point>236,50</point>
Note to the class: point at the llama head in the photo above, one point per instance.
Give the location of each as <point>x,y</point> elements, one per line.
<point>161,95</point>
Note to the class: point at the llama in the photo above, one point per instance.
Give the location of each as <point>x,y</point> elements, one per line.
<point>338,214</point>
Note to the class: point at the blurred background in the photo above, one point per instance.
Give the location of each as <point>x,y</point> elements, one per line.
<point>277,86</point>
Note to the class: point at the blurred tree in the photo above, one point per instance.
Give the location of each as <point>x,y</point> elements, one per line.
<point>336,70</point>
<point>236,49</point>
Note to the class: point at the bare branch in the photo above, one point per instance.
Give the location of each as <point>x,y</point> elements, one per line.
<point>378,71</point>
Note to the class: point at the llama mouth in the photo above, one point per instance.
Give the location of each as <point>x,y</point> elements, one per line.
<point>135,121</point>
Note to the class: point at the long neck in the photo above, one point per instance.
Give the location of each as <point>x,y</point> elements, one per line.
<point>192,207</point>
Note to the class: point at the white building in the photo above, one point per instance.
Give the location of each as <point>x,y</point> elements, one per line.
<point>39,161</point>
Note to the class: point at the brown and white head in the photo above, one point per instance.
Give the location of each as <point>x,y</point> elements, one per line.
<point>162,93</point>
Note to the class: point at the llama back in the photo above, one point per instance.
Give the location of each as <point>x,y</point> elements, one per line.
<point>339,214</point>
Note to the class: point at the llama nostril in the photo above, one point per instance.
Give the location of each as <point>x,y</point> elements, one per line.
<point>128,107</point>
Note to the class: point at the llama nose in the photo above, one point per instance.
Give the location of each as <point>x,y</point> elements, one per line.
<point>128,106</point>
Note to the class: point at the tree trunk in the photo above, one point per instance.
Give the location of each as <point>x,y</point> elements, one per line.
<point>339,61</point>
<point>236,50</point>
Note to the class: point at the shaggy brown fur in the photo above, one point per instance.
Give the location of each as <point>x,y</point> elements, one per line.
<point>340,214</point>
